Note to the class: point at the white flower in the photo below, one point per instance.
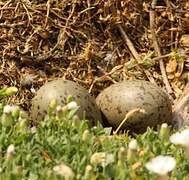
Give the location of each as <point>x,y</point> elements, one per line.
<point>64,171</point>
<point>33,129</point>
<point>102,158</point>
<point>59,108</point>
<point>133,144</point>
<point>161,165</point>
<point>181,138</point>
<point>10,152</point>
<point>10,149</point>
<point>88,168</point>
<point>72,105</point>
<point>9,108</point>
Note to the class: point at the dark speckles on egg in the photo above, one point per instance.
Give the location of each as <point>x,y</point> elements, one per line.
<point>60,90</point>
<point>119,109</point>
<point>107,98</point>
<point>120,98</point>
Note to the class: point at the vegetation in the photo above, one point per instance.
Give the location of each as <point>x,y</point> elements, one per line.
<point>61,147</point>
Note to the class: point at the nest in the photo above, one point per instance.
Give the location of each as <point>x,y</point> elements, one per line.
<point>94,42</point>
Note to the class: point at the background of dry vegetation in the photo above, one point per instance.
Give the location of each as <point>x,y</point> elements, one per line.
<point>93,42</point>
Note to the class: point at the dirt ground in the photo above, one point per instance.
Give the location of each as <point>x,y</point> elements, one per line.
<point>93,42</point>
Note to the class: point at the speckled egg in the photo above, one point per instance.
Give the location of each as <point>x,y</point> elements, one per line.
<point>120,98</point>
<point>60,89</point>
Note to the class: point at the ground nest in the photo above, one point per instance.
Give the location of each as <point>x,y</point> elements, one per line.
<point>93,42</point>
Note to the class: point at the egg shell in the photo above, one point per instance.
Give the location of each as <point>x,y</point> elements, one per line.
<point>120,98</point>
<point>60,89</point>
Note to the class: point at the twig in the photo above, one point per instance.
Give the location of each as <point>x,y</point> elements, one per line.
<point>163,56</point>
<point>106,76</point>
<point>157,49</point>
<point>130,44</point>
<point>135,53</point>
<point>128,115</point>
<point>48,10</point>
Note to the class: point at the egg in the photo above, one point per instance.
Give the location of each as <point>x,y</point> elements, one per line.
<point>60,89</point>
<point>123,97</point>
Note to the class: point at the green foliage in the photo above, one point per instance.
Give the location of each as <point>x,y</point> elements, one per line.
<point>87,153</point>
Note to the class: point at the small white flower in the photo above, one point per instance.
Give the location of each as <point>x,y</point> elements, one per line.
<point>72,105</point>
<point>64,171</point>
<point>59,108</point>
<point>10,152</point>
<point>88,168</point>
<point>102,158</point>
<point>161,165</point>
<point>10,149</point>
<point>9,108</point>
<point>133,144</point>
<point>109,160</point>
<point>164,125</point>
<point>180,138</point>
<point>33,129</point>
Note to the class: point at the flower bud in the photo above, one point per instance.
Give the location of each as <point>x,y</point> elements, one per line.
<point>22,125</point>
<point>52,105</point>
<point>64,171</point>
<point>85,135</point>
<point>59,111</point>
<point>164,131</point>
<point>122,153</point>
<point>11,91</point>
<point>102,158</point>
<point>10,152</point>
<point>7,120</point>
<point>132,151</point>
<point>69,98</point>
<point>15,112</point>
<point>88,172</point>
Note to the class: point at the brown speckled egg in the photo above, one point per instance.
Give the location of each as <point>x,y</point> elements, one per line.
<point>60,89</point>
<point>120,98</point>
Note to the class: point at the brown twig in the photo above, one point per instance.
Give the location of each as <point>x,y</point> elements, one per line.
<point>135,53</point>
<point>157,49</point>
<point>105,76</point>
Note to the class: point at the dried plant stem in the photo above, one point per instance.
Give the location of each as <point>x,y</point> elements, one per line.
<point>130,44</point>
<point>157,49</point>
<point>135,53</point>
<point>106,76</point>
<point>128,115</point>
